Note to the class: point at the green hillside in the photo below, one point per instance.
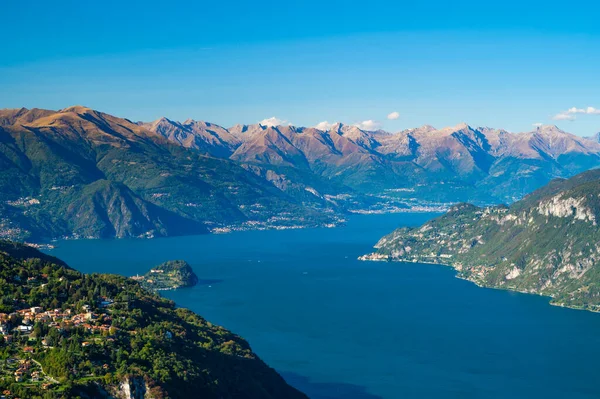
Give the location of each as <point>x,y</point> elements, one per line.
<point>547,243</point>
<point>69,335</point>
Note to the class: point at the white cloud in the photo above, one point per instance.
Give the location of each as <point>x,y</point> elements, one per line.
<point>273,121</point>
<point>393,116</point>
<point>588,110</point>
<point>570,114</point>
<point>592,110</point>
<point>324,125</point>
<point>563,116</point>
<point>368,125</point>
<point>538,124</point>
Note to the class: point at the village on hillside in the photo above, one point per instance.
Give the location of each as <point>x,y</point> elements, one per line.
<point>21,333</point>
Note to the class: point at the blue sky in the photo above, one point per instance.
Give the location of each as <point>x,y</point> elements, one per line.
<point>502,64</point>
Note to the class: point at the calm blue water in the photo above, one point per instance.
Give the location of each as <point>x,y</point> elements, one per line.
<point>338,328</point>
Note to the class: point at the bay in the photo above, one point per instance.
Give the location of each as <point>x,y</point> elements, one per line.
<point>338,328</point>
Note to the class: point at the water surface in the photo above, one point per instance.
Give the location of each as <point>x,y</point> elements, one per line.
<point>338,328</point>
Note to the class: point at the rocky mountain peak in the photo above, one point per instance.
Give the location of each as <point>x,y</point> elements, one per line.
<point>77,109</point>
<point>162,120</point>
<point>338,126</point>
<point>550,129</point>
<point>462,126</point>
<point>427,128</point>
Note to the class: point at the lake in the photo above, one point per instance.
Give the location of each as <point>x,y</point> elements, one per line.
<point>338,328</point>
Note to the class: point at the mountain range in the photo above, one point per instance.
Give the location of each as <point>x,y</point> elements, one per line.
<point>78,172</point>
<point>82,173</point>
<point>449,164</point>
<point>546,244</point>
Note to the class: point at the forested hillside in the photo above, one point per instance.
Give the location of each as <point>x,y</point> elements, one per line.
<point>67,334</point>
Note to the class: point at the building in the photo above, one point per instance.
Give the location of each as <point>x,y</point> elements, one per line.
<point>25,329</point>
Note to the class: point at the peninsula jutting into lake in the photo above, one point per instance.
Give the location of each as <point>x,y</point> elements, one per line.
<point>545,244</point>
<point>170,275</point>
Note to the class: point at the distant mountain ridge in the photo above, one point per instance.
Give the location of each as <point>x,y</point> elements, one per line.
<point>484,163</point>
<point>202,136</point>
<point>78,172</point>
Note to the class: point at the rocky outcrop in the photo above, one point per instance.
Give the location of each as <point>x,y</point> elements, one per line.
<point>567,207</point>
<point>133,388</point>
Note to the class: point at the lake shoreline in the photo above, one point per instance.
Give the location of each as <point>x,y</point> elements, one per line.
<point>51,243</point>
<point>386,258</point>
